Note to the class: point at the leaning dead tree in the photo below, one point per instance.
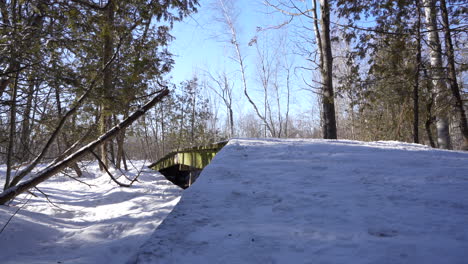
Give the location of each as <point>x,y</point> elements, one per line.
<point>55,168</point>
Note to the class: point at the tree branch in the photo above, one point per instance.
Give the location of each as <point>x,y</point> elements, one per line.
<point>45,174</point>
<point>107,171</point>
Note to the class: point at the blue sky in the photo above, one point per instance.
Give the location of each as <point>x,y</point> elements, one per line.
<point>197,45</point>
<point>197,49</point>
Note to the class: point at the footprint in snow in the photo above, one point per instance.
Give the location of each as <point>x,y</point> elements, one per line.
<point>382,232</point>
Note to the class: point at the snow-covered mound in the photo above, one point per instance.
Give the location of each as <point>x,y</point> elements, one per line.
<point>316,201</point>
<point>95,223</point>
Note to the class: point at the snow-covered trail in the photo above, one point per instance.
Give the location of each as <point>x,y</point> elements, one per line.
<point>316,201</point>
<point>103,223</point>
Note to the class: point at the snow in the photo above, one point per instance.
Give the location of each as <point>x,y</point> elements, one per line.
<point>318,201</point>
<point>100,223</point>
<point>259,201</point>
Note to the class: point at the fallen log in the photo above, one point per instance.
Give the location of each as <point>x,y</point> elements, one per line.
<point>12,192</point>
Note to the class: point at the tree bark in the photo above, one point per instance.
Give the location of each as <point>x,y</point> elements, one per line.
<point>288,87</point>
<point>120,148</point>
<point>26,125</point>
<point>328,101</point>
<point>52,170</point>
<point>416,77</point>
<point>105,119</point>
<point>11,139</point>
<point>192,119</point>
<point>452,76</point>
<point>437,73</point>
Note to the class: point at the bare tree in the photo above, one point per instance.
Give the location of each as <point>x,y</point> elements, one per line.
<point>224,90</point>
<point>274,71</point>
<point>326,69</point>
<point>226,7</point>
<point>266,71</point>
<point>321,28</point>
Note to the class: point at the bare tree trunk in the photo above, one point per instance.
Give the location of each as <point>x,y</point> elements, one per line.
<point>105,120</point>
<point>181,128</point>
<point>328,119</point>
<point>52,170</point>
<point>11,139</point>
<point>427,126</point>
<point>453,76</point>
<point>416,77</point>
<point>429,108</point>
<point>155,131</point>
<point>437,73</point>
<point>124,160</point>
<point>120,148</point>
<point>326,72</point>
<point>231,122</point>
<point>192,119</point>
<point>163,131</point>
<point>14,91</point>
<point>26,125</point>
<point>288,89</point>
<point>111,151</point>
<point>280,117</point>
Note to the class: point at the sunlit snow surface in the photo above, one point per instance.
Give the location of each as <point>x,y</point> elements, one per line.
<point>316,201</point>
<point>259,201</point>
<point>103,223</point>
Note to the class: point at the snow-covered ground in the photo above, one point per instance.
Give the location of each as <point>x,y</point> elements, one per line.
<point>100,223</point>
<point>259,201</point>
<point>317,201</point>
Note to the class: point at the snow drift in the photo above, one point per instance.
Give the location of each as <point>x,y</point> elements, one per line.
<point>95,223</point>
<point>318,201</point>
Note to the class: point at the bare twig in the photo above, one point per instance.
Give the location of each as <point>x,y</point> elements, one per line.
<point>49,201</point>
<point>80,181</point>
<point>13,215</point>
<point>138,170</point>
<point>107,171</point>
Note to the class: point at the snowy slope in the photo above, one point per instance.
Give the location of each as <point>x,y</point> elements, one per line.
<point>316,201</point>
<point>100,223</point>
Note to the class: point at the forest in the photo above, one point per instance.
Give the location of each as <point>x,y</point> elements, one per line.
<point>88,79</point>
